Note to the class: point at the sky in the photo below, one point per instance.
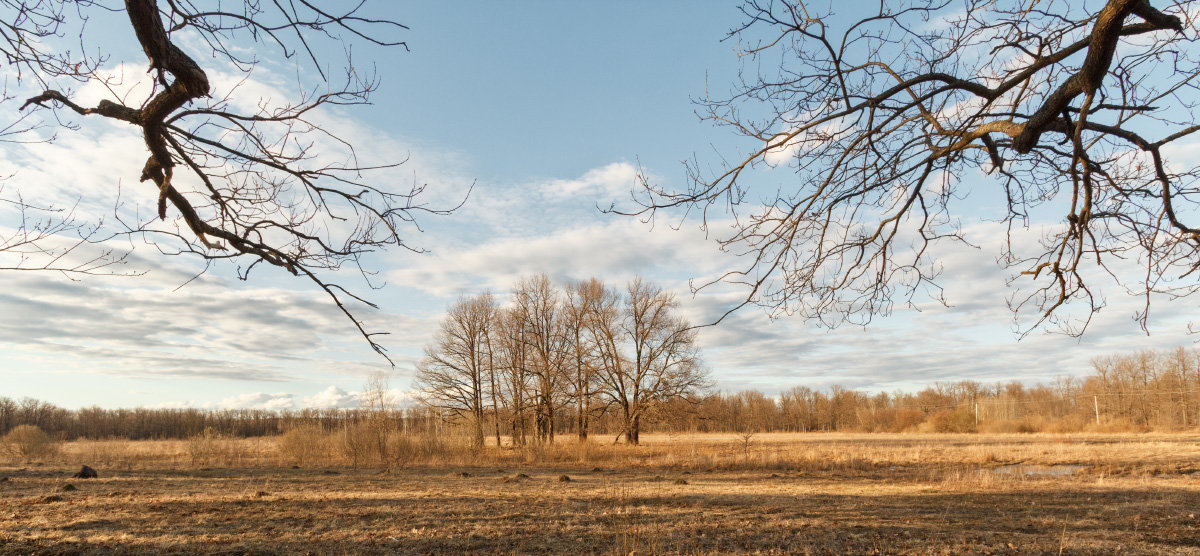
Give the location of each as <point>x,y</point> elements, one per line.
<point>543,112</point>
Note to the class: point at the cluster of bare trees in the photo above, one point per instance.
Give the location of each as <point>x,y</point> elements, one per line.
<point>586,346</point>
<point>1140,391</point>
<point>173,423</point>
<point>1146,390</point>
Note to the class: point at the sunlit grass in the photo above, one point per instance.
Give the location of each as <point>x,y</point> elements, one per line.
<point>767,493</point>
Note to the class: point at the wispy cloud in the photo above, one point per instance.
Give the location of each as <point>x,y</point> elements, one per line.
<point>129,327</point>
<point>614,250</point>
<point>607,183</point>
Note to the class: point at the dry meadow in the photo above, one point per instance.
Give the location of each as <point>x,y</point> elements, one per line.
<point>691,494</point>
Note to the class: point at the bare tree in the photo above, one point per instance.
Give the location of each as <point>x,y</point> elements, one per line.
<point>491,335</point>
<point>380,409</point>
<point>537,306</point>
<point>890,119</point>
<point>232,176</point>
<point>648,353</point>
<point>584,299</point>
<point>457,368</point>
<point>513,361</point>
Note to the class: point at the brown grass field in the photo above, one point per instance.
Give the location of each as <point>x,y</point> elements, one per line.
<point>690,494</point>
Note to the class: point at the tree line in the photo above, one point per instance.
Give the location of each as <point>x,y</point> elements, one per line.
<point>1145,390</point>
<point>179,423</point>
<point>1141,391</point>
<point>585,348</point>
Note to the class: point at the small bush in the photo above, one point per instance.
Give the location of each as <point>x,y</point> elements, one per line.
<point>305,445</point>
<point>908,420</point>
<point>952,421</point>
<point>29,442</point>
<point>359,443</point>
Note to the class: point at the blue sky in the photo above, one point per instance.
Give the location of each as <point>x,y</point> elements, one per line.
<point>536,89</point>
<point>546,110</point>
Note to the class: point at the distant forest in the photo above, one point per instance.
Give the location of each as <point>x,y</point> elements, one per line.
<point>1143,391</point>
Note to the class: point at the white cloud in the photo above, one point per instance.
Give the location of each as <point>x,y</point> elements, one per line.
<point>614,250</point>
<point>332,397</point>
<point>606,183</point>
<point>335,397</point>
<point>802,135</point>
<point>259,400</point>
<point>976,338</point>
<point>782,149</point>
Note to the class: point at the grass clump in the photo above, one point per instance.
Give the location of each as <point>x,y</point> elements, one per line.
<point>213,448</point>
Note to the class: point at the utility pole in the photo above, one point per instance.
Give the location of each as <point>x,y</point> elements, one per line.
<point>1096,404</point>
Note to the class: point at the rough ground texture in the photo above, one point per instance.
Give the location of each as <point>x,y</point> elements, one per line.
<point>867,507</point>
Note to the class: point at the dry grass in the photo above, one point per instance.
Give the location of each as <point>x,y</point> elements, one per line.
<point>697,494</point>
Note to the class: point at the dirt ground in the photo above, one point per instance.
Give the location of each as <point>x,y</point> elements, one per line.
<point>877,505</point>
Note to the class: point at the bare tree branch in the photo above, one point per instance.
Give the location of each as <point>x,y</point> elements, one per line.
<point>884,126</point>
<point>278,184</point>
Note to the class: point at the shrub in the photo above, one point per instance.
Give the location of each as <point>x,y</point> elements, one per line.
<point>908,419</point>
<point>29,442</point>
<point>952,421</point>
<point>359,444</point>
<point>305,445</point>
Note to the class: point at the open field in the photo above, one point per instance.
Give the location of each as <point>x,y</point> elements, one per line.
<point>698,494</point>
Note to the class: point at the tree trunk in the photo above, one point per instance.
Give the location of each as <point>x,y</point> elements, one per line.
<point>477,437</point>
<point>631,424</point>
<point>583,422</point>
<point>492,379</point>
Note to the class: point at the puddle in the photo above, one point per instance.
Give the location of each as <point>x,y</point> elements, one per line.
<point>1039,470</point>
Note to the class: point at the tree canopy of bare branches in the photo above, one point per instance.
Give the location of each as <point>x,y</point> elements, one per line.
<point>49,238</point>
<point>458,372</point>
<point>232,174</point>
<point>648,353</point>
<point>538,311</point>
<point>550,348</point>
<point>883,123</point>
